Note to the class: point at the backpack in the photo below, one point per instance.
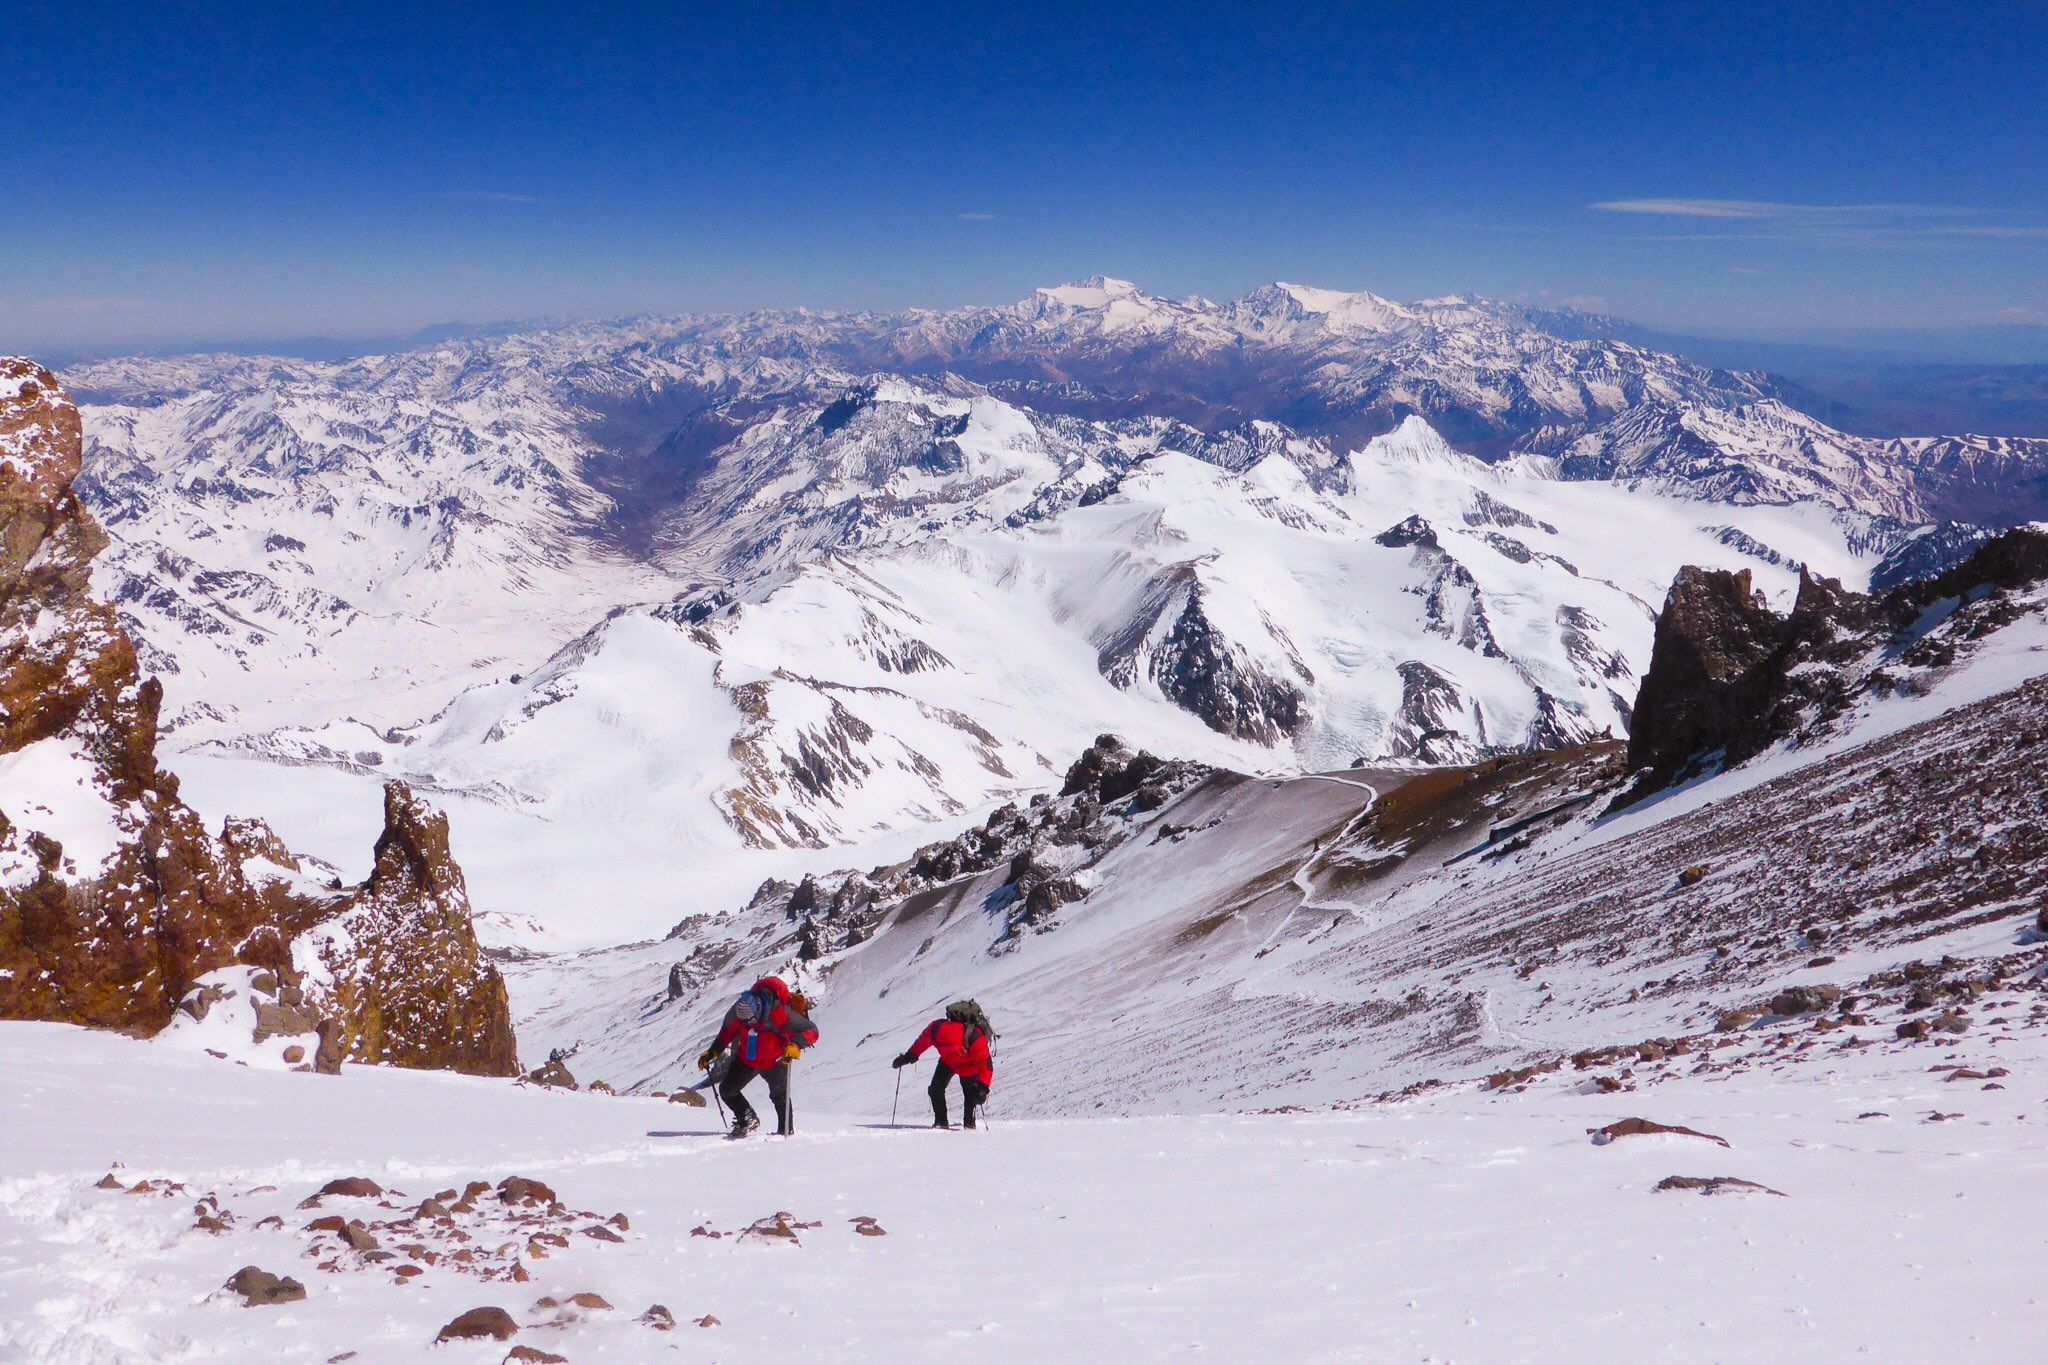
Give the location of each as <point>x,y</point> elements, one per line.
<point>970,1013</point>
<point>798,1004</point>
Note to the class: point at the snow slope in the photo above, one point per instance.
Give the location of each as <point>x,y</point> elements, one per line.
<point>1462,1224</point>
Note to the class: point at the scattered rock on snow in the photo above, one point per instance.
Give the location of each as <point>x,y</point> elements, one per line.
<point>1804,999</point>
<point>533,1355</point>
<point>478,1323</point>
<point>518,1189</point>
<point>555,1074</point>
<point>780,1226</point>
<point>868,1227</point>
<point>689,1097</point>
<point>659,1318</point>
<point>259,1287</point>
<point>1717,1184</point>
<point>1645,1127</point>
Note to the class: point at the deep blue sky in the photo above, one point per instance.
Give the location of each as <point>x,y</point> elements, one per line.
<point>194,171</point>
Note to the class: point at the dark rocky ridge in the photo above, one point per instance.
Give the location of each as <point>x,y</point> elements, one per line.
<point>1109,792</point>
<point>1728,677</point>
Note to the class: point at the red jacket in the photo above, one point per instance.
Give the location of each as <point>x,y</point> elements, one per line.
<point>761,1042</point>
<point>963,1055</point>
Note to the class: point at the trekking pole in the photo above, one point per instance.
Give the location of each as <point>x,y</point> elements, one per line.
<point>899,1096</point>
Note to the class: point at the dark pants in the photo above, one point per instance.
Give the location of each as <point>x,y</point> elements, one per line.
<point>778,1093</point>
<point>973,1094</point>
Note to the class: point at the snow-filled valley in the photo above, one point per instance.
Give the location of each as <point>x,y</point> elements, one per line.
<point>1282,715</point>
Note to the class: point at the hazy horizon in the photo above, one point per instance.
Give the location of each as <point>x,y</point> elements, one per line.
<point>367,170</point>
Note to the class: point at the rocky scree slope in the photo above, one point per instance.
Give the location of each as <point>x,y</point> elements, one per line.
<point>116,904</point>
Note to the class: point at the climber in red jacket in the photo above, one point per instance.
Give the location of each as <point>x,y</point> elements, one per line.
<point>962,1038</point>
<point>762,1028</point>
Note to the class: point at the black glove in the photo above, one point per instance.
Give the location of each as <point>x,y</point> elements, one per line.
<point>903,1059</point>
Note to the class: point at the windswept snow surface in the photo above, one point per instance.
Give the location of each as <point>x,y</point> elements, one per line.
<point>1462,1225</point>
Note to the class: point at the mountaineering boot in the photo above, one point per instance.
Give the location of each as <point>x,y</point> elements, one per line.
<point>968,1122</point>
<point>940,1123</point>
<point>743,1125</point>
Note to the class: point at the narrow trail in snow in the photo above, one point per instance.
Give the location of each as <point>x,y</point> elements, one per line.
<point>1300,878</point>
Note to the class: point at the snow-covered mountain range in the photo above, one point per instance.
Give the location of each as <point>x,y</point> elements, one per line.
<point>1493,762</point>
<point>797,579</point>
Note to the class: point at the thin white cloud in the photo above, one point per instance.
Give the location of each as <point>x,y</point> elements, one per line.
<point>1755,209</point>
<point>491,197</point>
<point>1763,220</point>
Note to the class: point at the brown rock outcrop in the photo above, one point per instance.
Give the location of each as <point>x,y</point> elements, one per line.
<point>116,931</point>
<point>1728,676</point>
<point>406,977</point>
<point>1710,674</point>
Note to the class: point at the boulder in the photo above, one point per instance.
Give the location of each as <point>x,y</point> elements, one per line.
<point>479,1323</point>
<point>690,1097</point>
<point>260,1288</point>
<point>1715,1184</point>
<point>518,1189</point>
<point>1645,1128</point>
<point>555,1074</point>
<point>333,1049</point>
<point>1803,999</point>
<point>287,1021</point>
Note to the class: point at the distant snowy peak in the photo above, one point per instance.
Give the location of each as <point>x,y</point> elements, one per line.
<point>1097,291</point>
<point>1760,452</point>
<point>1301,312</point>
